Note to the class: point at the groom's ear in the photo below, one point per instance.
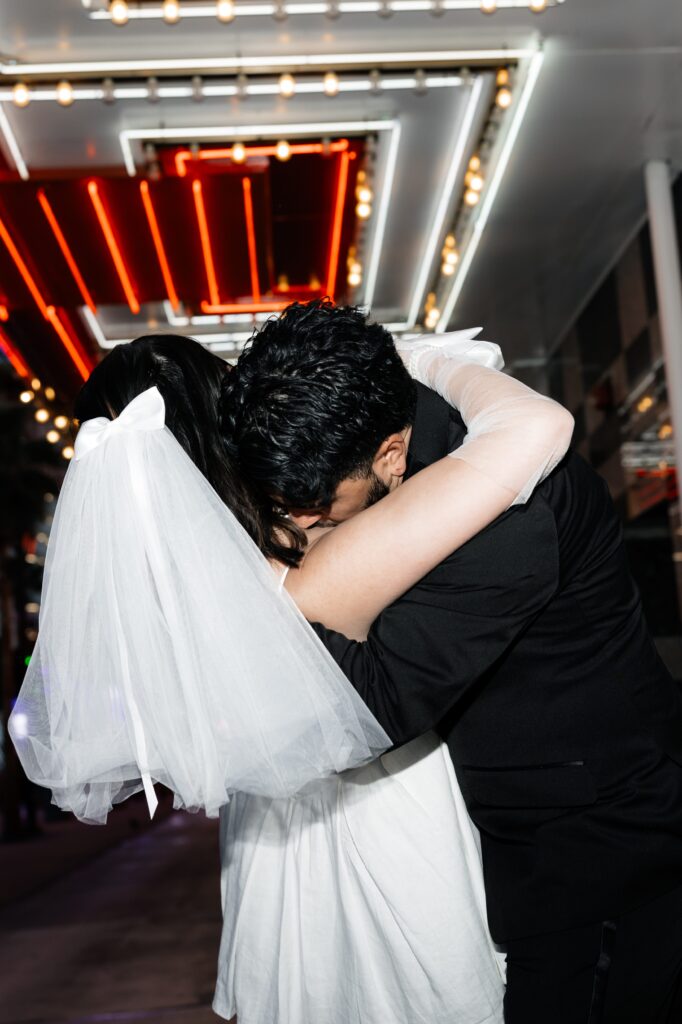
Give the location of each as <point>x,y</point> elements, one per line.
<point>390,461</point>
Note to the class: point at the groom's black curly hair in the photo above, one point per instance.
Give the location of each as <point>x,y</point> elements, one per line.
<point>311,399</point>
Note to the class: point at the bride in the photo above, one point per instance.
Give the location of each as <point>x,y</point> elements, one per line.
<point>170,651</point>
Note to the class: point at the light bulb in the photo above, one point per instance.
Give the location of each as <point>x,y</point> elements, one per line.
<point>363,210</point>
<point>488,6</point>
<point>52,436</point>
<point>502,77</point>
<point>475,163</point>
<point>61,422</point>
<point>67,452</point>
<point>504,98</point>
<point>238,153</point>
<point>20,95</point>
<point>432,317</point>
<point>35,384</point>
<point>452,258</point>
<point>64,93</point>
<point>50,394</point>
<point>42,415</point>
<point>118,12</point>
<point>171,12</point>
<point>450,241</point>
<point>364,194</point>
<point>224,11</point>
<point>26,397</point>
<point>447,269</point>
<point>331,84</point>
<point>537,5</point>
<point>283,150</point>
<point>287,86</point>
<point>476,182</point>
<point>665,432</point>
<point>354,280</point>
<point>471,197</point>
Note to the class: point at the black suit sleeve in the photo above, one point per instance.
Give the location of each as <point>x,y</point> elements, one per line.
<point>426,651</point>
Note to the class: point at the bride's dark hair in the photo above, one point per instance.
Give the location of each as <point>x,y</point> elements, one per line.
<point>189,378</point>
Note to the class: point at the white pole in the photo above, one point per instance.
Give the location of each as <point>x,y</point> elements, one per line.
<point>669,289</point>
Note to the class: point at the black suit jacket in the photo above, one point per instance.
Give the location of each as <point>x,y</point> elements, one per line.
<point>527,649</point>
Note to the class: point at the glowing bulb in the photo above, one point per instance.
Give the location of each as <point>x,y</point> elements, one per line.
<point>471,197</point>
<point>364,194</point>
<point>61,422</point>
<point>645,403</point>
<point>20,95</point>
<point>224,11</point>
<point>665,432</point>
<point>52,436</point>
<point>64,93</point>
<point>450,242</point>
<point>331,84</point>
<point>476,182</point>
<point>26,397</point>
<point>287,86</point>
<point>503,98</point>
<point>35,384</point>
<point>502,77</point>
<point>452,258</point>
<point>42,415</point>
<point>171,12</point>
<point>50,394</point>
<point>475,163</point>
<point>238,153</point>
<point>447,269</point>
<point>283,150</point>
<point>363,210</point>
<point>537,5</point>
<point>488,6</point>
<point>354,280</point>
<point>432,317</point>
<point>118,12</point>
<point>67,452</point>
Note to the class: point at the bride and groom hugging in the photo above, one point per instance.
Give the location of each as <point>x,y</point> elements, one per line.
<point>486,596</point>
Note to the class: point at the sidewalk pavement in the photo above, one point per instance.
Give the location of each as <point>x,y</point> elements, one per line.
<point>130,935</point>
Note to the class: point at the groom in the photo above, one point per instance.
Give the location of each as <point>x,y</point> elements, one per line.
<point>526,648</point>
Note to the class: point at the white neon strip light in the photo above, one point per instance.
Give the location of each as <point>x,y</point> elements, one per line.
<point>258,131</point>
<point>236,64</point>
<point>457,161</point>
<point>94,325</point>
<point>384,190</point>
<point>150,12</point>
<point>12,145</point>
<point>486,205</point>
<point>209,89</point>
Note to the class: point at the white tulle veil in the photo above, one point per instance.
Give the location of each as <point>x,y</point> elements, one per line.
<point>167,650</point>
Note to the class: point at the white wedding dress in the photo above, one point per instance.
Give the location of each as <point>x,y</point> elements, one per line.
<point>360,904</point>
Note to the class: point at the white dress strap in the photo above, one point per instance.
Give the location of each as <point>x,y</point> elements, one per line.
<point>282,579</point>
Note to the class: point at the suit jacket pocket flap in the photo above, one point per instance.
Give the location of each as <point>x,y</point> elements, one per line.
<point>561,785</point>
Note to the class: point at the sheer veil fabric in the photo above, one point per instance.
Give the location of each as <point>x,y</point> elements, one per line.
<point>166,650</point>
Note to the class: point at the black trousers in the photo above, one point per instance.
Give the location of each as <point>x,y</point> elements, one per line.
<point>626,971</point>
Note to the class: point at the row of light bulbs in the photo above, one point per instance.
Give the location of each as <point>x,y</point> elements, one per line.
<point>42,414</point>
<point>65,96</point>
<point>474,183</point>
<point>226,11</point>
